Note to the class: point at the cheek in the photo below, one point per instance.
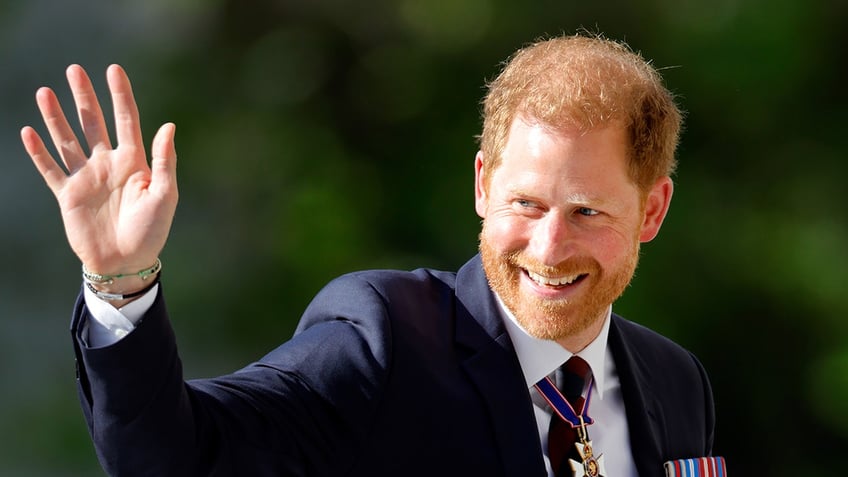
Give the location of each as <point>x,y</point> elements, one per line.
<point>612,247</point>
<point>505,233</point>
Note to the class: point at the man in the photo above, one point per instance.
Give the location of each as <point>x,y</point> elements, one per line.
<point>426,372</point>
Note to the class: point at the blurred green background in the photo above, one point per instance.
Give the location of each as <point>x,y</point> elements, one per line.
<point>319,137</point>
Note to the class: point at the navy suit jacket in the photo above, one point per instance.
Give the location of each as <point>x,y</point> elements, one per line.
<point>389,373</point>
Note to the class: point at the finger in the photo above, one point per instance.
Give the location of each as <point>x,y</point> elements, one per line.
<point>127,125</point>
<point>60,131</point>
<point>164,163</point>
<point>88,109</point>
<point>53,175</point>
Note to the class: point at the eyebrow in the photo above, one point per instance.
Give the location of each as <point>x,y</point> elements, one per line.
<point>574,198</point>
<point>584,199</point>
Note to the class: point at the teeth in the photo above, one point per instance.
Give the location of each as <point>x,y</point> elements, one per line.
<point>551,281</point>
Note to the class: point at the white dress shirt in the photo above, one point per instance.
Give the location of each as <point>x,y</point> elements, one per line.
<point>609,434</point>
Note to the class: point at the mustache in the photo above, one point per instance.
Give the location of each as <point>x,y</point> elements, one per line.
<point>578,264</point>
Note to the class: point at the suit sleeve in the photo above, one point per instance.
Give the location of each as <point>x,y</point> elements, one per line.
<point>300,410</point>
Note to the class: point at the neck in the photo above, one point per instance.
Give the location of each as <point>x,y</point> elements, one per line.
<point>577,342</point>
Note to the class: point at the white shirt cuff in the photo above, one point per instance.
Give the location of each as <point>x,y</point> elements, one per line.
<point>109,324</point>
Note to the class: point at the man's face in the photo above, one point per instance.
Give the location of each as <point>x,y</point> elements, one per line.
<point>562,227</point>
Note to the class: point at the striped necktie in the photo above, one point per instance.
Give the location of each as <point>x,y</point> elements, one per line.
<point>561,435</point>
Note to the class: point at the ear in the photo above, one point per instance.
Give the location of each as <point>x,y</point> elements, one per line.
<point>656,206</point>
<point>481,196</point>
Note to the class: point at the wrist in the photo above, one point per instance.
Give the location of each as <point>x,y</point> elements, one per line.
<point>118,289</point>
<point>108,279</point>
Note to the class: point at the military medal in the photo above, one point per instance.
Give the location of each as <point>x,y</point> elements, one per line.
<point>589,464</point>
<point>696,467</point>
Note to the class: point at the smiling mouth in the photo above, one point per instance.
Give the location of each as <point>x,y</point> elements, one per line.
<point>555,282</point>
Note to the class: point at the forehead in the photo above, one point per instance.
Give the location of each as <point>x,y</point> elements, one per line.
<point>531,142</point>
<point>538,157</point>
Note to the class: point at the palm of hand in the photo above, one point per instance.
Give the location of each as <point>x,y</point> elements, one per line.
<point>116,208</point>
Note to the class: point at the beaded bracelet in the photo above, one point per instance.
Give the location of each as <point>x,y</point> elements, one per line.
<point>119,296</point>
<point>92,277</point>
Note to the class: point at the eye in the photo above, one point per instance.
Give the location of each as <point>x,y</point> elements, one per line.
<point>587,211</point>
<point>526,207</point>
<point>525,204</point>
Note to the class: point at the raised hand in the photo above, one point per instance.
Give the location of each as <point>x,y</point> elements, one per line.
<point>117,209</point>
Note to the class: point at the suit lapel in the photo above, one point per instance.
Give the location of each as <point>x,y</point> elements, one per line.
<point>643,410</point>
<point>493,367</point>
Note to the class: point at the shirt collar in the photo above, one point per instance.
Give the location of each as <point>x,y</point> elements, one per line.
<point>539,358</point>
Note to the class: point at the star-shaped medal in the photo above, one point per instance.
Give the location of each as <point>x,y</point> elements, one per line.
<point>590,466</point>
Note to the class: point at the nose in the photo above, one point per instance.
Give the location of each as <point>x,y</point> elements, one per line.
<point>552,239</point>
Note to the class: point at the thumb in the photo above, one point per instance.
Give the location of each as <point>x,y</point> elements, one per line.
<point>164,160</point>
